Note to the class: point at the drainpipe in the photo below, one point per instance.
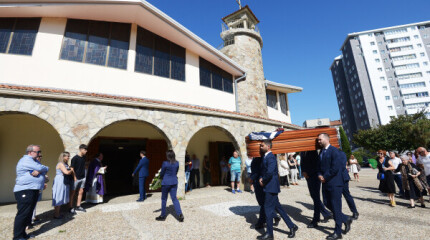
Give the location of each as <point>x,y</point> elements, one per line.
<point>242,78</point>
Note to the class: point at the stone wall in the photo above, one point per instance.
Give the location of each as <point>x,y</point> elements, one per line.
<point>78,122</point>
<point>246,51</point>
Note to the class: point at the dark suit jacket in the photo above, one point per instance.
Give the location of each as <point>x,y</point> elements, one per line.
<point>332,166</point>
<point>168,173</point>
<point>310,162</point>
<point>142,167</point>
<point>256,166</point>
<point>270,174</point>
<point>345,173</point>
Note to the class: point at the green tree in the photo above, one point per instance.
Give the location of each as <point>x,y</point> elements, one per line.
<point>406,132</point>
<point>346,147</point>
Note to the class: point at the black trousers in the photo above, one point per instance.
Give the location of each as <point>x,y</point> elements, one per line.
<point>195,173</point>
<point>284,180</point>
<point>26,202</point>
<point>314,186</point>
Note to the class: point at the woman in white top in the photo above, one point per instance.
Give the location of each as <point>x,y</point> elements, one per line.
<point>284,170</point>
<point>353,162</point>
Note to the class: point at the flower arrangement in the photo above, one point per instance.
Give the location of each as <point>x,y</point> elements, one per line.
<point>156,182</point>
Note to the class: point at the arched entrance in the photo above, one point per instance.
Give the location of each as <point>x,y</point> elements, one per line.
<point>216,143</point>
<point>120,143</point>
<point>17,131</point>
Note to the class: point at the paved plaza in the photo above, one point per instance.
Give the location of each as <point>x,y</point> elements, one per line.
<point>216,213</point>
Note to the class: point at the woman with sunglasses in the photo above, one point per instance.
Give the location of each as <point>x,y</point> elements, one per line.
<point>385,175</point>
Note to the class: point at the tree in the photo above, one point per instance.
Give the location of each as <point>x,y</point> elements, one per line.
<point>406,132</point>
<point>346,147</point>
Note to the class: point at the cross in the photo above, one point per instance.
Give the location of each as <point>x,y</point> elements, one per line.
<point>240,5</point>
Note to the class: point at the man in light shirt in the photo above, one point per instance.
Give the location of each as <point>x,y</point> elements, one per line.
<point>397,176</point>
<point>423,162</point>
<point>30,178</point>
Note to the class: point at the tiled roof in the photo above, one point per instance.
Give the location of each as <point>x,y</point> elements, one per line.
<point>336,123</point>
<point>132,99</point>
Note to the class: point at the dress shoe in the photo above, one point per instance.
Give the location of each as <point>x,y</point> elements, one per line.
<point>160,218</point>
<point>325,220</point>
<point>355,216</point>
<point>313,224</point>
<point>140,200</point>
<point>293,231</point>
<point>181,218</point>
<point>333,236</point>
<point>266,236</point>
<point>257,226</point>
<point>277,220</point>
<point>347,226</point>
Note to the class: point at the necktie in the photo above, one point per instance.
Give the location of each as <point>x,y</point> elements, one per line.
<point>322,154</point>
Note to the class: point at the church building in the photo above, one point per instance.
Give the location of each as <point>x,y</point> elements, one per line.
<point>122,76</point>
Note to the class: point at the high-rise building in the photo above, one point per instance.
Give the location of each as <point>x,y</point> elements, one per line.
<point>381,74</point>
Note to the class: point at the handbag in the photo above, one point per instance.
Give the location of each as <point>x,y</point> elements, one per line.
<point>381,176</point>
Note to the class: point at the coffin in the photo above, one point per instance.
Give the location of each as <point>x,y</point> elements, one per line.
<point>293,141</point>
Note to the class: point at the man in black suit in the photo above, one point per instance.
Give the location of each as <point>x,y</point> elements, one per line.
<point>330,174</point>
<point>310,166</point>
<point>256,167</point>
<point>270,183</point>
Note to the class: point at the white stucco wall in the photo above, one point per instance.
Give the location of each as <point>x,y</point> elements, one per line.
<point>45,69</point>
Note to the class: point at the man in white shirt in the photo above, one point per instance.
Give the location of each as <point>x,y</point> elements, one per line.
<point>397,176</point>
<point>423,162</point>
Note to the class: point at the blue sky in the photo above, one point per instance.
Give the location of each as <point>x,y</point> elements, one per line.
<point>300,38</point>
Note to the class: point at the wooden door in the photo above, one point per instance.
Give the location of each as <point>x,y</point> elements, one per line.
<point>214,161</point>
<point>156,153</point>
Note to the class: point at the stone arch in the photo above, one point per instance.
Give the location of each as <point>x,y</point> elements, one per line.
<point>17,131</point>
<point>215,142</point>
<point>121,142</point>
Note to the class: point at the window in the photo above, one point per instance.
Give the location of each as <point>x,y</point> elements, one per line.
<point>385,88</point>
<point>412,85</point>
<point>401,39</point>
<point>382,78</point>
<point>390,107</point>
<point>416,95</point>
<point>372,43</point>
<point>387,69</point>
<point>398,49</point>
<point>96,42</point>
<point>416,36</point>
<point>272,100</point>
<point>425,63</point>
<point>283,103</point>
<point>375,51</point>
<point>425,36</point>
<point>158,56</point>
<point>390,79</point>
<point>417,105</point>
<point>377,60</point>
<point>380,69</point>
<point>407,66</point>
<point>396,31</point>
<point>17,35</point>
<point>419,45</point>
<point>379,43</point>
<point>422,54</point>
<point>214,77</point>
<point>382,51</point>
<point>395,97</point>
<point>409,75</point>
<point>404,57</point>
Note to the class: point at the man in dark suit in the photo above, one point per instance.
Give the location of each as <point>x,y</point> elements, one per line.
<point>270,183</point>
<point>345,192</point>
<point>142,168</point>
<point>256,167</point>
<point>310,167</point>
<point>330,174</point>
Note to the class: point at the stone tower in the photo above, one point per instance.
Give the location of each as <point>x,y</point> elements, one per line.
<point>243,44</point>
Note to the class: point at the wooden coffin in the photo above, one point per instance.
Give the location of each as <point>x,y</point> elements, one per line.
<point>293,141</point>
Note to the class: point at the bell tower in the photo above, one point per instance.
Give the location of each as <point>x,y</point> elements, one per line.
<point>243,44</point>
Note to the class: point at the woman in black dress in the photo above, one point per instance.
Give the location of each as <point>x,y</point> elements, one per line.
<point>411,183</point>
<point>386,167</point>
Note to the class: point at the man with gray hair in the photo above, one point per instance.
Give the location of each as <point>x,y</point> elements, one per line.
<point>30,178</point>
